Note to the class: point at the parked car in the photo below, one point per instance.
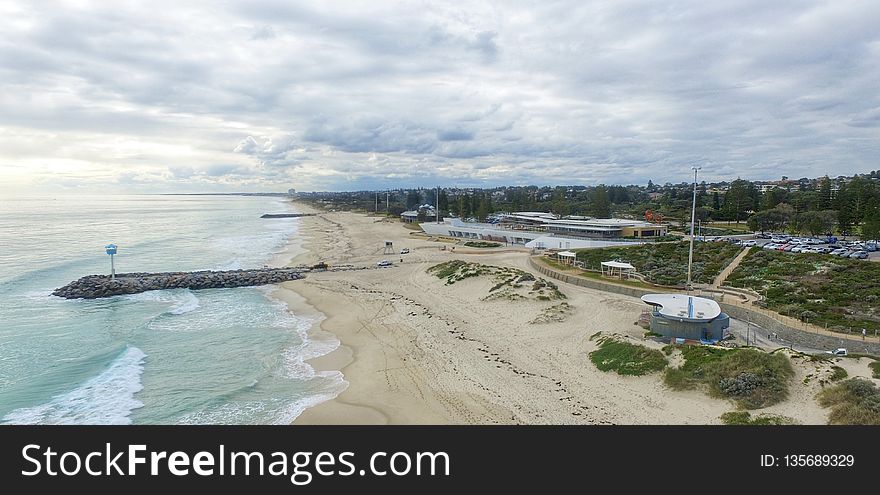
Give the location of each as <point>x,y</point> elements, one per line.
<point>861,255</point>
<point>749,243</point>
<point>845,254</point>
<point>796,249</point>
<point>763,236</point>
<point>404,251</point>
<point>384,263</point>
<point>838,251</point>
<point>770,245</point>
<point>840,351</point>
<point>789,248</point>
<point>871,246</point>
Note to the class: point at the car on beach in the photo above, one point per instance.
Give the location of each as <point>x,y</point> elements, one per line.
<point>404,251</point>
<point>384,263</point>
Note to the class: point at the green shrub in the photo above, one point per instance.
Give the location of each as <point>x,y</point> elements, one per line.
<point>875,369</point>
<point>838,373</point>
<point>666,263</point>
<point>627,359</point>
<point>853,402</point>
<point>482,244</point>
<point>752,378</point>
<point>744,418</point>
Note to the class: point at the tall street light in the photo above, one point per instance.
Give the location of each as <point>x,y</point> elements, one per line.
<point>689,287</point>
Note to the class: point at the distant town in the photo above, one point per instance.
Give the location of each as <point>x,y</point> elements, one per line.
<point>843,205</point>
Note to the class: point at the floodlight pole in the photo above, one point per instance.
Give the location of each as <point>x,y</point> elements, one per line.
<point>693,217</point>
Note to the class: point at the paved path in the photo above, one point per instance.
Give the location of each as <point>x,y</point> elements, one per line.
<point>719,280</point>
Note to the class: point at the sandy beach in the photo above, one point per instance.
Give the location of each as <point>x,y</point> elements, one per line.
<point>417,351</point>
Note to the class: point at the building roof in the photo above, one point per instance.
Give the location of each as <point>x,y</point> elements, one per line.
<point>683,307</point>
<point>618,264</point>
<point>566,254</point>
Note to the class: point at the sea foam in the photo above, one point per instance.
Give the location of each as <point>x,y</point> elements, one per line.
<point>106,399</point>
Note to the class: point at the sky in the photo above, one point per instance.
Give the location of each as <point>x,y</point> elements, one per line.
<point>185,96</point>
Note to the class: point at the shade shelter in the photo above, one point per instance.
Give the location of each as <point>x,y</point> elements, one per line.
<point>567,257</point>
<point>616,268</point>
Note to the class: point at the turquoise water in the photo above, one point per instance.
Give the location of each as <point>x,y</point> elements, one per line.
<point>231,356</point>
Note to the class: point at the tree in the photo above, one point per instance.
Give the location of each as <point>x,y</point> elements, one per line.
<point>825,194</point>
<point>413,198</point>
<point>845,210</point>
<point>559,204</point>
<point>483,208</point>
<point>737,200</point>
<point>601,208</point>
<point>817,222</point>
<point>444,200</point>
<point>716,201</point>
<point>871,227</point>
<point>770,219</point>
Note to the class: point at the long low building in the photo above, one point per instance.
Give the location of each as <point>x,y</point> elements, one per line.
<point>578,226</point>
<point>536,239</point>
<point>455,227</point>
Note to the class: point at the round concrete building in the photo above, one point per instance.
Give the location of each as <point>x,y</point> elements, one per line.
<point>688,317</point>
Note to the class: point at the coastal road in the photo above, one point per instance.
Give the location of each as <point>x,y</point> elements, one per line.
<point>760,337</point>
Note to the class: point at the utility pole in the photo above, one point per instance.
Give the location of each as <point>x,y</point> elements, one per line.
<point>387,208</point>
<point>377,202</point>
<point>693,217</point>
<point>437,208</point>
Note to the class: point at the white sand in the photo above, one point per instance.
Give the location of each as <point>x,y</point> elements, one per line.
<point>417,351</point>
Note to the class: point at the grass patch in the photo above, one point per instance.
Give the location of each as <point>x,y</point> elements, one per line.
<point>875,369</point>
<point>482,244</point>
<point>837,374</point>
<point>745,418</point>
<point>752,378</point>
<point>841,293</point>
<point>627,359</point>
<point>506,279</point>
<point>853,402</point>
<point>666,263</point>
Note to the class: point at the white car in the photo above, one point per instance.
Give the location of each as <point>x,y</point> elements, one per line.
<point>749,243</point>
<point>404,251</point>
<point>840,351</point>
<point>384,263</point>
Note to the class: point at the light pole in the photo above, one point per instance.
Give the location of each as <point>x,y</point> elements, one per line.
<point>693,216</point>
<point>111,250</point>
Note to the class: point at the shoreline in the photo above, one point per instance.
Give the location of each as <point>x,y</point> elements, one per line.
<point>301,302</point>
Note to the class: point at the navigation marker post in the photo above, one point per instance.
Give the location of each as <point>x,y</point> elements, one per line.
<point>111,250</point>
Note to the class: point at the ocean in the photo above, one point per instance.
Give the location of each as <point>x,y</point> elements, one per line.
<point>217,356</point>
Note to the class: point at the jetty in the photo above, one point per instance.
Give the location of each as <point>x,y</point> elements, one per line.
<point>286,215</point>
<point>95,286</point>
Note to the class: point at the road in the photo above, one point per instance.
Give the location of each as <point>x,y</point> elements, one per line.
<point>761,338</point>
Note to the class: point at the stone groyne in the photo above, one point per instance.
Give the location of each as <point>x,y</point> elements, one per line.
<point>95,286</point>
<point>286,215</point>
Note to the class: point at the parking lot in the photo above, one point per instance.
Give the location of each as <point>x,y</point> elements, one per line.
<point>852,249</point>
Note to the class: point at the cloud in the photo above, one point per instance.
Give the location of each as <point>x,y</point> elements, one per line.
<point>277,94</point>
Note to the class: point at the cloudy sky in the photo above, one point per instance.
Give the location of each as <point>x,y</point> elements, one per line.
<point>326,95</point>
